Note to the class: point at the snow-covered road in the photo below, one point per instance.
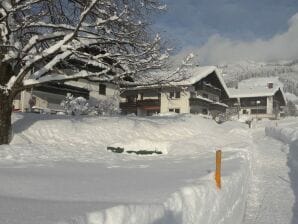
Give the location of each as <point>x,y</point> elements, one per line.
<point>271,197</point>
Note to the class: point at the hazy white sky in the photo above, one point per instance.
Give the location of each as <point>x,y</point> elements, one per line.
<point>228,30</point>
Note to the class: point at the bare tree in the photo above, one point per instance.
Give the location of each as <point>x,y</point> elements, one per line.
<point>51,40</point>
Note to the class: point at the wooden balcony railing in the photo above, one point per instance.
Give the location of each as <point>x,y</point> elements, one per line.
<point>140,103</point>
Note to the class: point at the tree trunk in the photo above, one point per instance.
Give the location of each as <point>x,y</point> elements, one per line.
<point>5,119</point>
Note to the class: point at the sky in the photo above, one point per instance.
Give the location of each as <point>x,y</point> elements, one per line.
<point>231,29</point>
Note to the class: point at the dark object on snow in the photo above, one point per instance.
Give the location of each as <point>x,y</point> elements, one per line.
<point>115,149</point>
<point>140,152</point>
<point>145,152</point>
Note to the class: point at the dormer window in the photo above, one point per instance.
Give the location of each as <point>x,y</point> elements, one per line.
<point>102,89</point>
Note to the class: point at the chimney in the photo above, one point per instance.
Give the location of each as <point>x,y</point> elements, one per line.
<point>270,85</point>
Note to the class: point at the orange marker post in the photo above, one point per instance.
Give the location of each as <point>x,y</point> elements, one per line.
<point>218,169</point>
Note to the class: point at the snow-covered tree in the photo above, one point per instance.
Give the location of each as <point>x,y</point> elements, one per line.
<point>53,40</point>
<point>107,106</point>
<point>75,105</point>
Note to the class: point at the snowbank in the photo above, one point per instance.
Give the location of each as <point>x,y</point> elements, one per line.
<point>288,135</point>
<point>85,139</point>
<point>199,202</point>
<point>284,134</point>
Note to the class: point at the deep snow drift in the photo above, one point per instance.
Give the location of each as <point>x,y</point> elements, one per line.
<point>57,170</point>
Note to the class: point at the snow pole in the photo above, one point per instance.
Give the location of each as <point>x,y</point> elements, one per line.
<point>218,169</point>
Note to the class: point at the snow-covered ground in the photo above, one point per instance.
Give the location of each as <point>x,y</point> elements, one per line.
<point>57,170</point>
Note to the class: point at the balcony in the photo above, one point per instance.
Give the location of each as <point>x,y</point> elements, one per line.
<point>140,103</point>
<point>209,88</point>
<point>201,101</point>
<point>148,102</point>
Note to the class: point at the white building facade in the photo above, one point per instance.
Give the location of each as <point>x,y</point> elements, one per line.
<point>202,93</point>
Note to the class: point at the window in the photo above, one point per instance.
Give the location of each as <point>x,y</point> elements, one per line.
<point>245,112</point>
<point>172,94</point>
<point>102,89</point>
<point>177,111</point>
<point>252,103</point>
<point>18,97</point>
<point>205,95</point>
<point>258,111</point>
<point>131,99</point>
<point>175,95</point>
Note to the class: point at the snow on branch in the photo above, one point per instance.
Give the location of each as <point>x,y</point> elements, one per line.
<point>52,40</point>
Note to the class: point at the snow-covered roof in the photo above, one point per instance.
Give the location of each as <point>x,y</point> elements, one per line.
<point>193,75</point>
<point>256,87</point>
<point>260,81</point>
<point>252,92</point>
<point>197,73</point>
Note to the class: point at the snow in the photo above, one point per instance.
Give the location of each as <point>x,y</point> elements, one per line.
<point>271,198</point>
<point>252,92</point>
<point>260,81</point>
<point>291,97</point>
<point>256,87</point>
<point>4,32</point>
<point>287,133</point>
<point>196,73</point>
<point>63,77</point>
<point>57,170</point>
<point>11,82</point>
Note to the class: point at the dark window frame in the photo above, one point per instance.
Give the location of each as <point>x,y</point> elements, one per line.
<point>177,110</point>
<point>102,89</point>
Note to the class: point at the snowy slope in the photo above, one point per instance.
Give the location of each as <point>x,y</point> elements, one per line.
<point>57,170</point>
